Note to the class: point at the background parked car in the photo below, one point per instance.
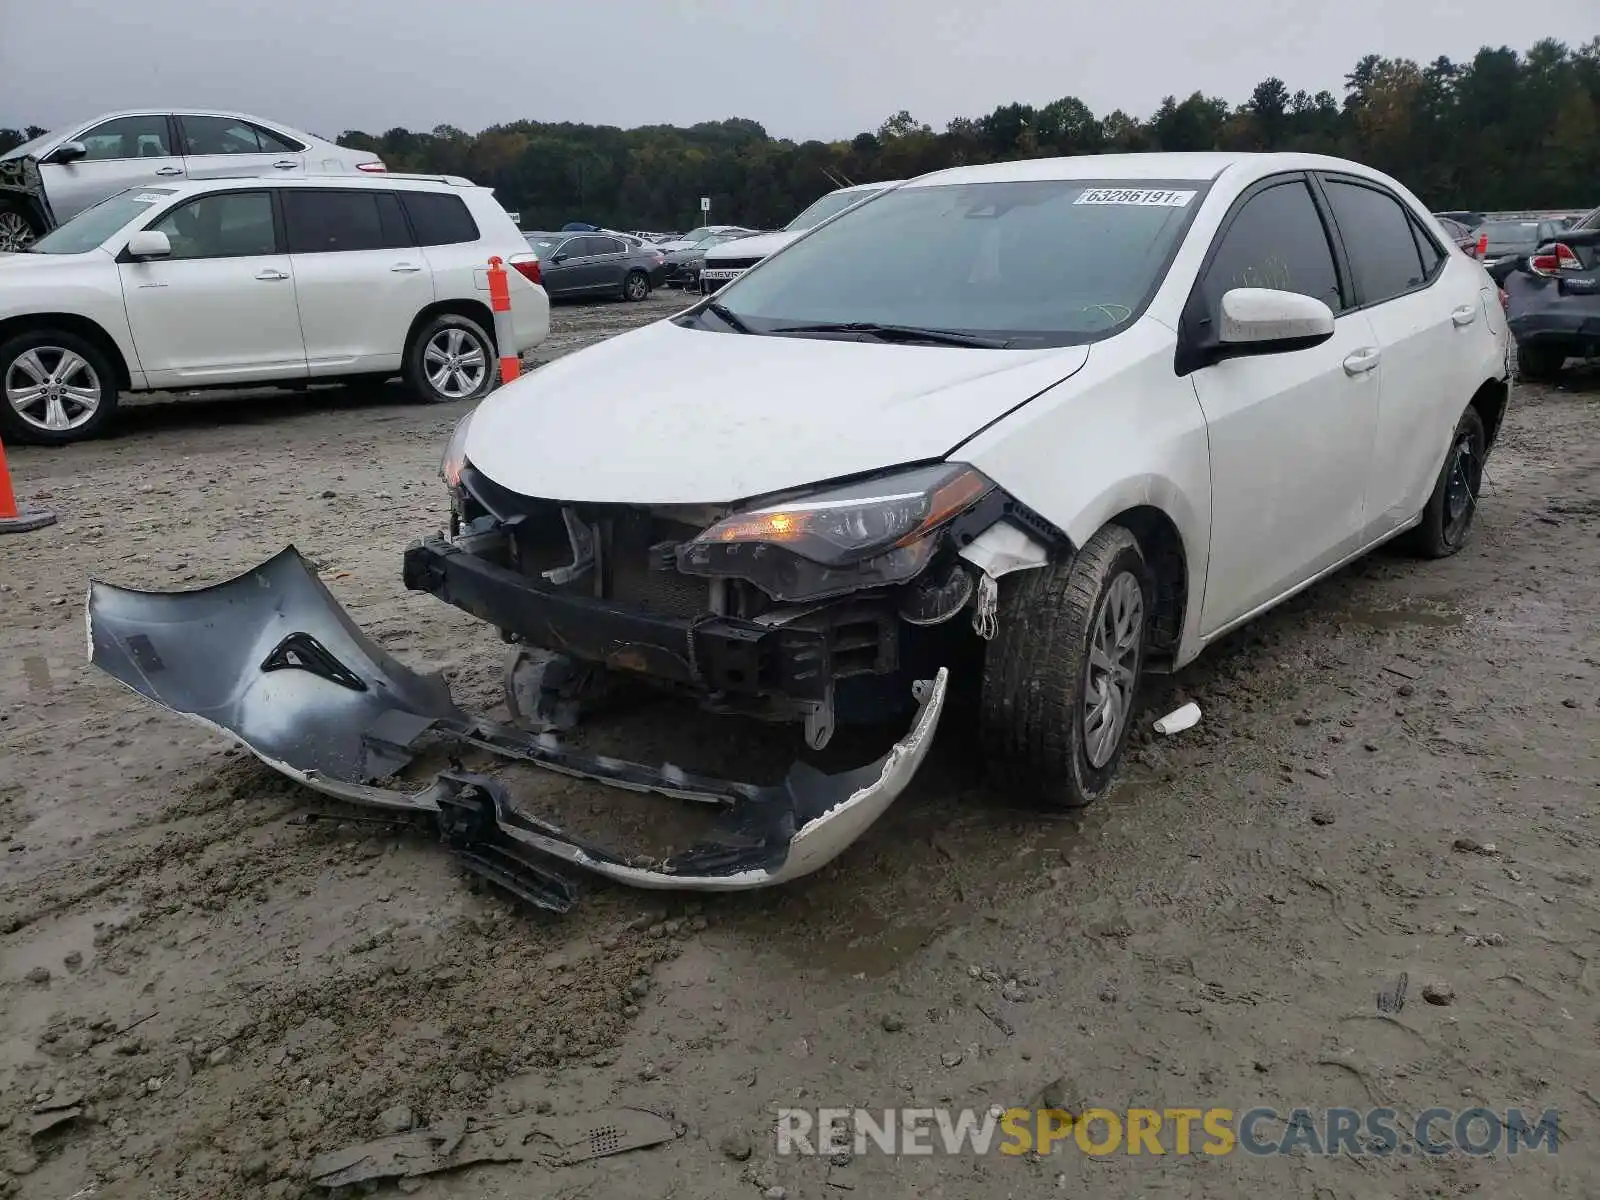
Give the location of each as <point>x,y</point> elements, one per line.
<point>1462,234</point>
<point>1511,239</point>
<point>223,282</point>
<point>1553,300</point>
<point>81,164</point>
<point>595,264</point>
<point>684,263</point>
<point>700,236</point>
<point>725,263</point>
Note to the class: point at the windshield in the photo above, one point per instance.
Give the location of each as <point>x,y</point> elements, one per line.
<point>28,148</point>
<point>94,225</point>
<point>824,208</point>
<point>1037,262</point>
<point>1511,235</point>
<point>544,244</point>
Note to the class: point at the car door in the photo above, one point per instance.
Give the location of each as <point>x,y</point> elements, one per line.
<point>607,264</point>
<point>562,268</point>
<point>1290,433</point>
<point>120,153</point>
<point>1425,318</point>
<point>216,146</point>
<point>221,308</point>
<point>359,277</point>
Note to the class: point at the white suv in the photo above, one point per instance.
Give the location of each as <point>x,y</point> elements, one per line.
<point>225,282</point>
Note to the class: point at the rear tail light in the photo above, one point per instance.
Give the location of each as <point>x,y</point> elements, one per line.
<point>1482,248</point>
<point>526,265</point>
<point>1557,258</point>
<point>372,168</point>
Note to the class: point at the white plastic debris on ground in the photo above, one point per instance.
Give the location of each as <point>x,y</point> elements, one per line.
<point>1179,719</point>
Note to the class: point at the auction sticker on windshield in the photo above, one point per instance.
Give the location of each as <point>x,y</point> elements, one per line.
<point>150,198</point>
<point>1158,197</point>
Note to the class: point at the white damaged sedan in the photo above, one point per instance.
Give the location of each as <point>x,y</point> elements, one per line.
<point>1031,428</point>
<point>1094,412</point>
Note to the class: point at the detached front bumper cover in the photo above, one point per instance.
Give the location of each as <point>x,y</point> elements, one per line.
<point>271,660</point>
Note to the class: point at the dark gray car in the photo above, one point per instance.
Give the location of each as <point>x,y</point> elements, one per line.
<point>594,264</point>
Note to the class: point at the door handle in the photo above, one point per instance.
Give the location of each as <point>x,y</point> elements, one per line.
<point>170,171</point>
<point>286,164</point>
<point>405,268</point>
<point>1361,360</point>
<point>1465,315</point>
<point>272,274</point>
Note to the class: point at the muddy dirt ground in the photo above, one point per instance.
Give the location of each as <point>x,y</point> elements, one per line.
<point>233,991</point>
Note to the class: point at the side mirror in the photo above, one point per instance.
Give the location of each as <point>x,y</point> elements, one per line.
<point>1268,321</point>
<point>67,152</point>
<point>559,258</point>
<point>149,243</point>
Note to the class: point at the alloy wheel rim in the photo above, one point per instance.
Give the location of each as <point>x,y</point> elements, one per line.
<point>1114,645</point>
<point>456,363</point>
<point>52,388</point>
<point>1461,487</point>
<point>15,232</point>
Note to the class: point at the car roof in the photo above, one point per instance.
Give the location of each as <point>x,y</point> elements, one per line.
<point>381,179</point>
<point>157,110</point>
<point>1199,166</point>
<point>867,187</point>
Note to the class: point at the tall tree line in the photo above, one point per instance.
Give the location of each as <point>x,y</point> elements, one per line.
<point>1505,130</point>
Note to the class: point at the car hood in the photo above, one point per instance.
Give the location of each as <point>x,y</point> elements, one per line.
<point>759,246</point>
<point>667,415</point>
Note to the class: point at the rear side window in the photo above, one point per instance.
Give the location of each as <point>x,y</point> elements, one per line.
<point>1276,240</point>
<point>1377,236</point>
<point>334,221</point>
<point>1432,256</point>
<point>439,219</point>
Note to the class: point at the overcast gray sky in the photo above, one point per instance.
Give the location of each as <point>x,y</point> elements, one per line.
<point>817,68</point>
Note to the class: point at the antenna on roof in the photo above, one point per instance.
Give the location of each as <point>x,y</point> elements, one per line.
<point>835,178</point>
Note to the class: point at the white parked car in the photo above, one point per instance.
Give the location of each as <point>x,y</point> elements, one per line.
<point>84,163</point>
<point>726,262</point>
<point>205,283</point>
<point>1109,408</point>
<point>1028,428</point>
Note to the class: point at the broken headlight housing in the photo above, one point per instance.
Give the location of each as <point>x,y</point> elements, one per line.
<point>869,534</point>
<point>455,456</point>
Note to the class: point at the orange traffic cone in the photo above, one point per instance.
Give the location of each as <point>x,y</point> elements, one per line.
<point>12,518</point>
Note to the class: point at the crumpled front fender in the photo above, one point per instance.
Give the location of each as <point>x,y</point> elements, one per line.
<point>271,660</point>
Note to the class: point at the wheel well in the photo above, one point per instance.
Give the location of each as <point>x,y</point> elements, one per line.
<point>73,324</point>
<point>476,310</point>
<point>1162,546</point>
<point>1490,401</point>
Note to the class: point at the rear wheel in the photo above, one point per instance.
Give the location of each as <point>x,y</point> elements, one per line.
<point>17,232</point>
<point>636,286</point>
<point>1539,364</point>
<point>1061,677</point>
<point>1447,519</point>
<point>55,387</point>
<point>451,358</point>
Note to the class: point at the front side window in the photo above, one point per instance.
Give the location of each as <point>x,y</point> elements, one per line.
<point>221,225</point>
<point>127,137</point>
<point>1377,236</point>
<point>1027,263</point>
<point>341,221</point>
<point>1276,240</point>
<point>95,224</point>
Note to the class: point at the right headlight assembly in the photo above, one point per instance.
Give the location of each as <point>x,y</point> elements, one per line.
<point>837,540</point>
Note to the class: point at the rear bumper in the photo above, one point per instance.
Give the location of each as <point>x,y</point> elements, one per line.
<point>1575,325</point>
<point>708,652</point>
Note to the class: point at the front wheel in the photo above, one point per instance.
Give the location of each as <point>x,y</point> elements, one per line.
<point>1061,677</point>
<point>17,232</point>
<point>451,358</point>
<point>1447,519</point>
<point>636,286</point>
<point>55,387</point>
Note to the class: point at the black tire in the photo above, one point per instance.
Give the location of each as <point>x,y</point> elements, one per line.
<point>1447,518</point>
<point>1539,364</point>
<point>18,229</point>
<point>636,287</point>
<point>1037,670</point>
<point>49,347</point>
<point>455,389</point>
